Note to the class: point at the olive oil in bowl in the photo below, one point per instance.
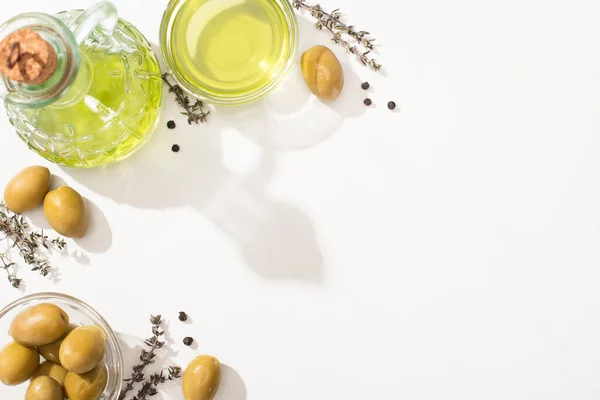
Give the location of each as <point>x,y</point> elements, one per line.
<point>229,51</point>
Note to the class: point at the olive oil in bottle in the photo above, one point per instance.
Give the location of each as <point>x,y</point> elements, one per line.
<point>108,112</point>
<point>103,97</point>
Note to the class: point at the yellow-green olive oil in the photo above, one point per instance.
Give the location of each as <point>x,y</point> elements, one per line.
<point>230,46</point>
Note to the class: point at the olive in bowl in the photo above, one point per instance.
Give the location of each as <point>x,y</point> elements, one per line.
<point>104,378</point>
<point>17,363</point>
<point>39,325</point>
<point>44,388</point>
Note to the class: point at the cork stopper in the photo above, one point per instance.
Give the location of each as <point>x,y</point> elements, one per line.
<point>26,57</point>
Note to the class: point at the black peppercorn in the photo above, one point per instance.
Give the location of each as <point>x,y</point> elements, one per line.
<point>391,105</point>
<point>365,85</point>
<point>171,125</point>
<point>188,341</point>
<point>182,316</point>
<point>368,102</point>
<point>175,148</point>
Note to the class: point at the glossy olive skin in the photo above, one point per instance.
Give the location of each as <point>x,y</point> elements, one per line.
<point>201,378</point>
<point>52,370</point>
<point>39,325</point>
<point>27,189</point>
<point>17,363</point>
<point>322,72</point>
<point>82,349</point>
<point>88,386</point>
<point>66,212</point>
<point>50,351</point>
<point>44,388</point>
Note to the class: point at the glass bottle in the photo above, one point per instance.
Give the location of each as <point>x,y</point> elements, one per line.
<point>103,99</point>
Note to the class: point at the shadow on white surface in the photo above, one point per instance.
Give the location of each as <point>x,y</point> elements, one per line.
<point>276,238</point>
<point>77,255</point>
<point>98,237</point>
<point>38,218</point>
<point>131,347</point>
<point>232,385</point>
<point>171,350</point>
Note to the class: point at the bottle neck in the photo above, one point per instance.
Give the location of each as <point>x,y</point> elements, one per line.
<point>58,35</point>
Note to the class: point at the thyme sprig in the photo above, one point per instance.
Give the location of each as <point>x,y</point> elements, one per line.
<point>195,112</point>
<point>340,30</point>
<point>7,265</point>
<point>148,388</point>
<point>19,235</point>
<point>147,357</point>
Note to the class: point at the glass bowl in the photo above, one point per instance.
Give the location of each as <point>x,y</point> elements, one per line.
<point>182,34</point>
<point>80,314</point>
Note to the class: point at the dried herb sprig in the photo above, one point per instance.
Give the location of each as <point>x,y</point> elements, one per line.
<point>19,235</point>
<point>146,357</point>
<point>332,22</point>
<point>7,265</point>
<point>195,112</point>
<point>148,388</point>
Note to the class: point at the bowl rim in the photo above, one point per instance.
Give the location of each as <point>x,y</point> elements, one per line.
<point>112,338</point>
<point>165,47</point>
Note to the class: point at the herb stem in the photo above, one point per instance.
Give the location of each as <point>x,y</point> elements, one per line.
<point>148,388</point>
<point>146,356</point>
<point>363,57</point>
<point>195,112</point>
<point>331,22</point>
<point>18,234</point>
<point>12,278</point>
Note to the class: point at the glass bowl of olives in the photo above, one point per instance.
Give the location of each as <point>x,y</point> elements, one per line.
<point>52,335</point>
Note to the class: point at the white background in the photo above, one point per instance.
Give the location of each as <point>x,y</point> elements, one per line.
<point>448,250</point>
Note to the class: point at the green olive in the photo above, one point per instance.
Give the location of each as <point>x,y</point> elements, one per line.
<point>17,363</point>
<point>82,349</point>
<point>44,388</point>
<point>88,386</point>
<point>322,72</point>
<point>50,351</point>
<point>39,325</point>
<point>52,370</point>
<point>65,211</point>
<point>27,189</point>
<point>201,378</point>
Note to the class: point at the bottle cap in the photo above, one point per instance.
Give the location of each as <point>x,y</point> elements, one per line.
<point>26,57</point>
